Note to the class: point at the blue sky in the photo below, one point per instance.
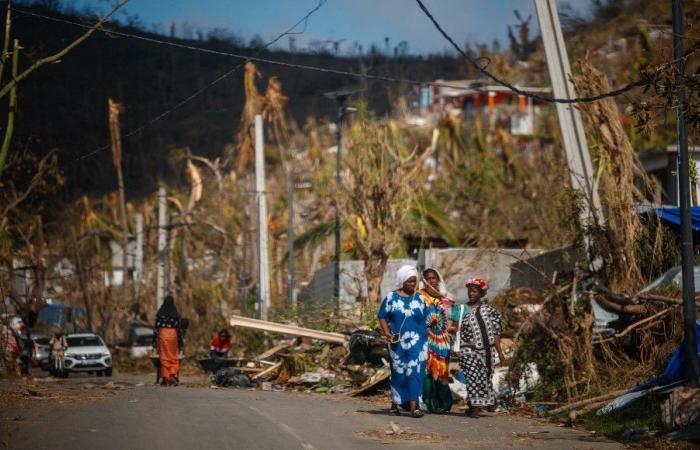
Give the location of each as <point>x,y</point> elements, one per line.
<point>363,21</point>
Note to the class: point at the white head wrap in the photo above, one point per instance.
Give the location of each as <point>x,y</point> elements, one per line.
<point>404,273</point>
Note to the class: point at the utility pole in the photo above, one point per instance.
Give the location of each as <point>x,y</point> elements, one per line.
<point>116,142</point>
<point>263,251</point>
<point>138,256</point>
<point>572,132</point>
<point>243,279</point>
<point>689,313</point>
<point>290,245</point>
<point>341,98</point>
<point>162,241</point>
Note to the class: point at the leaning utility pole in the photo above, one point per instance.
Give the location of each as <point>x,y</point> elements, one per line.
<point>689,314</point>
<point>260,194</point>
<point>572,132</point>
<point>116,141</point>
<point>162,242</point>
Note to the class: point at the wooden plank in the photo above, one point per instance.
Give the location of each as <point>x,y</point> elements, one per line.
<point>381,375</point>
<point>273,351</point>
<point>268,370</point>
<point>289,330</point>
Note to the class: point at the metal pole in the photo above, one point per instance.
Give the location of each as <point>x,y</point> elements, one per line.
<point>263,253</point>
<point>339,149</point>
<point>689,314</point>
<point>290,245</point>
<point>572,132</point>
<point>244,263</point>
<point>162,224</point>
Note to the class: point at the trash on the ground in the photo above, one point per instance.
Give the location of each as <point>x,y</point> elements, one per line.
<point>634,434</point>
<point>681,408</point>
<point>367,346</point>
<point>394,428</point>
<point>232,377</point>
<point>378,377</point>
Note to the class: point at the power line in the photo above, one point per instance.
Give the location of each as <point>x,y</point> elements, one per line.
<point>251,57</point>
<point>304,20</point>
<point>475,64</point>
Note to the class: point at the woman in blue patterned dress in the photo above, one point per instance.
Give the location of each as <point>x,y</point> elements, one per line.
<point>402,317</point>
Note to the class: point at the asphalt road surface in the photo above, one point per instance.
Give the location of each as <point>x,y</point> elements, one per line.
<point>138,415</point>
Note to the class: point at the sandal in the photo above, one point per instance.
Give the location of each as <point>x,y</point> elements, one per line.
<point>417,413</point>
<point>473,412</point>
<point>394,411</point>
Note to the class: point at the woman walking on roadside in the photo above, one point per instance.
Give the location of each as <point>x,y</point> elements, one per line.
<point>402,317</point>
<point>437,396</point>
<point>167,338</point>
<point>480,345</point>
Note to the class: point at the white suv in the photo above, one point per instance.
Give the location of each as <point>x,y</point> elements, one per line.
<point>87,352</point>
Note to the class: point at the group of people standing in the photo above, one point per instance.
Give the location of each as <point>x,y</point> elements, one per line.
<point>425,329</point>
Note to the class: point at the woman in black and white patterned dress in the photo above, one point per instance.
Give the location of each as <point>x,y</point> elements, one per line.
<point>480,348</point>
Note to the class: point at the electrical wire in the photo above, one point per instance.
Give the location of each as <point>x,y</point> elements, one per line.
<point>304,20</point>
<point>614,93</point>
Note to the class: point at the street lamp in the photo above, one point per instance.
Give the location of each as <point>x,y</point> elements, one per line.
<point>340,97</point>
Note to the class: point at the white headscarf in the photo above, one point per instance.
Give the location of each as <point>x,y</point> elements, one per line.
<point>404,273</point>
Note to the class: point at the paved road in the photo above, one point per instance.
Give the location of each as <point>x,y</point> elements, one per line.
<point>151,417</point>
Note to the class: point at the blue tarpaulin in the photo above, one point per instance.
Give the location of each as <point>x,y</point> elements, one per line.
<point>673,375</point>
<point>672,216</point>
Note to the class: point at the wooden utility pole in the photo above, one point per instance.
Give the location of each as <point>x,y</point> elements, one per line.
<point>572,133</point>
<point>162,242</point>
<point>263,251</point>
<point>114,110</point>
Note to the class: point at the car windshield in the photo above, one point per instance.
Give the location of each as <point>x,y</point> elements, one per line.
<point>85,341</point>
<point>42,340</point>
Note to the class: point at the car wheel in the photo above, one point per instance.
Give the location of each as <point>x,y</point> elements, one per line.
<point>108,372</point>
<point>65,374</point>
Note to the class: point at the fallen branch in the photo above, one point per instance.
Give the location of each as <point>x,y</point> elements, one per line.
<point>624,309</point>
<point>664,299</point>
<point>588,401</point>
<point>588,408</point>
<point>642,322</point>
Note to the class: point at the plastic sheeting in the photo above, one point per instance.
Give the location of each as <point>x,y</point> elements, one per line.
<point>672,217</point>
<point>672,376</point>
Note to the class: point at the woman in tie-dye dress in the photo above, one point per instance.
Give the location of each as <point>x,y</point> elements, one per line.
<point>402,317</point>
<point>437,397</point>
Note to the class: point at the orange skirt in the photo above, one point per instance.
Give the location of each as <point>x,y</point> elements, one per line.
<point>168,351</point>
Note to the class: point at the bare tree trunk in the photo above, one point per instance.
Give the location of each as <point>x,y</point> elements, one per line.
<point>114,110</point>
<point>374,271</point>
<point>81,282</point>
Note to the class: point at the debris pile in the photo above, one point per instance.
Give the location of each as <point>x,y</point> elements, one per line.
<point>312,361</point>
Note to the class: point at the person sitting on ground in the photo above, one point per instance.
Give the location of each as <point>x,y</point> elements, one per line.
<point>220,345</point>
<point>58,346</point>
<point>480,346</point>
<point>402,317</point>
<point>167,339</point>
